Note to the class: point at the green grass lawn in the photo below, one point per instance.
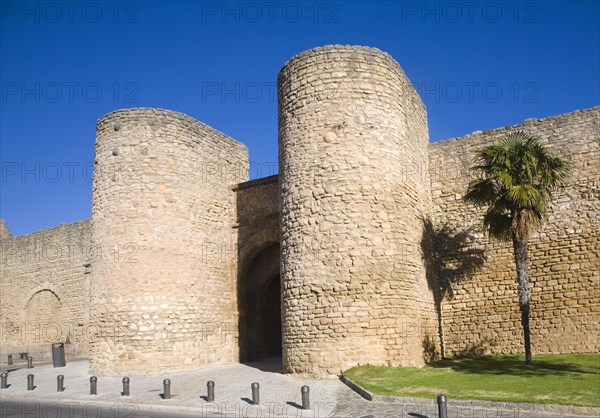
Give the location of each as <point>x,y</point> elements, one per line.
<point>572,379</point>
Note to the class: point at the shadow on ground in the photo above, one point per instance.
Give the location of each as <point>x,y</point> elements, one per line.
<point>271,365</point>
<point>513,365</point>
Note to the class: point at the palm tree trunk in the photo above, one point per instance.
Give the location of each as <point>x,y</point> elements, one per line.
<point>524,292</point>
<point>438,307</point>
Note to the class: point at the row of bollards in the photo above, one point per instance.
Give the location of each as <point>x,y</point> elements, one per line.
<point>23,356</point>
<point>210,385</point>
<point>58,356</point>
<point>60,383</point>
<point>30,377</point>
<point>94,386</point>
<point>60,387</point>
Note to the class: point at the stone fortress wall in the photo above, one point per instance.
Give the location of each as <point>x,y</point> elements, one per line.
<point>337,261</point>
<point>44,290</point>
<point>481,312</point>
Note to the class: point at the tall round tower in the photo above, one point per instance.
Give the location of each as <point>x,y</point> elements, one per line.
<point>354,186</point>
<point>163,259</point>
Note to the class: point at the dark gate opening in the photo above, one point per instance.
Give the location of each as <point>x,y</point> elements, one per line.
<point>271,325</point>
<point>260,307</point>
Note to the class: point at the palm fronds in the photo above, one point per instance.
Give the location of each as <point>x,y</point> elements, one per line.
<point>517,174</point>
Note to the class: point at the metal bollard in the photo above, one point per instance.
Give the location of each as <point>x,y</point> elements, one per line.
<point>305,390</point>
<point>166,389</point>
<point>10,360</point>
<point>4,380</point>
<point>30,362</point>
<point>29,382</point>
<point>442,406</point>
<point>211,391</point>
<point>93,385</point>
<point>255,393</point>
<point>125,386</point>
<point>60,383</point>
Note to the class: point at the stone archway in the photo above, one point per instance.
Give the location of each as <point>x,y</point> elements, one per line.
<point>43,318</point>
<point>260,306</point>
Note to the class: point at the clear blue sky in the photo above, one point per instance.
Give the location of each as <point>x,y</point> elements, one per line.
<point>477,65</point>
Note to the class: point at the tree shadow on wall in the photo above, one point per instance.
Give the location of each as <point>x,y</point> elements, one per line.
<point>449,259</point>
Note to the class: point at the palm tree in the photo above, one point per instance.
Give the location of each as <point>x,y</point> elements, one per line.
<point>517,176</point>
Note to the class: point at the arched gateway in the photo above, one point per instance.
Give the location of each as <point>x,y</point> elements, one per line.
<point>260,306</point>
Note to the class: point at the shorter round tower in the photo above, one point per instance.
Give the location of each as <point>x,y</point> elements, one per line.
<point>163,265</point>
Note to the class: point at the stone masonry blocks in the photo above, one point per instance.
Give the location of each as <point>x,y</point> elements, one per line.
<point>44,290</point>
<point>163,291</point>
<point>167,274</point>
<point>353,291</point>
<point>482,315</point>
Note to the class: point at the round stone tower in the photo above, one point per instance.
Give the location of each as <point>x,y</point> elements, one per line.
<point>355,186</point>
<point>163,259</point>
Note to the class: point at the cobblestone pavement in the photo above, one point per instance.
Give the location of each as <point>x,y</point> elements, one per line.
<point>280,394</point>
<point>385,410</point>
<point>351,405</point>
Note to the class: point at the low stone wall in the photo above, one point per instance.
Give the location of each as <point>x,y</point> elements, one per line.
<point>44,295</point>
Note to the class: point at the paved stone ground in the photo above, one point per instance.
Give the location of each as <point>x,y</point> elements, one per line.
<point>279,395</point>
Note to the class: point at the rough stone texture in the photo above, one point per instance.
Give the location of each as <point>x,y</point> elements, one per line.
<point>185,258</point>
<point>4,233</point>
<point>257,206</point>
<point>258,254</point>
<point>43,297</point>
<point>162,294</point>
<point>349,126</point>
<point>483,316</point>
